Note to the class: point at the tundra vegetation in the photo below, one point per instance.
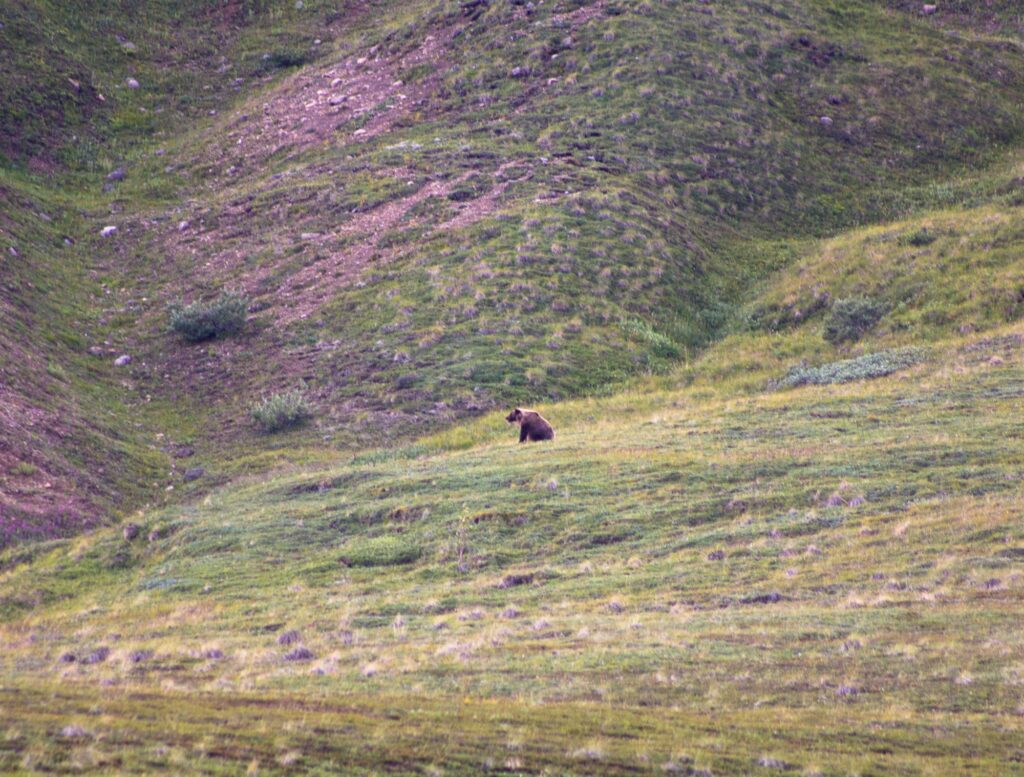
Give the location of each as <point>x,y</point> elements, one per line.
<point>760,264</point>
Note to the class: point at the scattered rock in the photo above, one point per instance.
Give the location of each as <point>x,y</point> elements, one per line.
<point>13,251</point>
<point>193,473</point>
<point>826,121</point>
<point>183,452</point>
<point>772,763</point>
<point>510,613</point>
<point>288,638</point>
<point>108,231</point>
<point>510,581</point>
<point>520,72</point>
<point>67,658</point>
<point>846,690</point>
<point>213,654</point>
<point>995,361</point>
<point>299,654</point>
<point>616,607</point>
<point>98,656</point>
<point>769,598</point>
<point>928,10</point>
<point>337,99</point>
<point>716,555</point>
<point>131,83</point>
<point>138,656</point>
<point>130,531</point>
<point>73,732</point>
<point>122,360</point>
<point>116,175</point>
<point>182,226</point>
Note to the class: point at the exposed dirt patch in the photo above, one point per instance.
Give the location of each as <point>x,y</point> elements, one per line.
<point>351,100</point>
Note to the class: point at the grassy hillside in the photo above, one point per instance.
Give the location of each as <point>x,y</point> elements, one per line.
<point>779,528</point>
<point>708,573</point>
<point>78,438</point>
<point>431,214</point>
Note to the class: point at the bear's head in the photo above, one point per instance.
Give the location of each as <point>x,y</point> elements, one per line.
<point>515,416</point>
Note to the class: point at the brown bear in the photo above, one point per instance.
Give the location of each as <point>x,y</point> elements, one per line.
<point>532,425</point>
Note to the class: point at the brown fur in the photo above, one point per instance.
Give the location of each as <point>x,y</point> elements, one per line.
<point>532,425</point>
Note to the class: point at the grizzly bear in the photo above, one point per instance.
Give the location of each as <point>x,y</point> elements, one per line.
<point>532,425</point>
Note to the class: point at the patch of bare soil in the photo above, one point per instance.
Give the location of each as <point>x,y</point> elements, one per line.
<point>351,100</point>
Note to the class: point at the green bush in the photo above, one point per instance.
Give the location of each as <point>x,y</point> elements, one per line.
<point>206,321</point>
<point>874,365</point>
<point>852,318</point>
<point>281,59</point>
<point>380,552</point>
<point>281,411</point>
<point>921,237</point>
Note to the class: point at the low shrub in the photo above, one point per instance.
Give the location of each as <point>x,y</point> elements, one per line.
<point>380,552</point>
<point>281,59</point>
<point>921,237</point>
<point>208,320</point>
<point>281,411</point>
<point>874,365</point>
<point>852,318</point>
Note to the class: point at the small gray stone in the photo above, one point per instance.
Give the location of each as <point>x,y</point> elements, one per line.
<point>97,656</point>
<point>108,231</point>
<point>116,175</point>
<point>73,732</point>
<point>130,531</point>
<point>13,251</point>
<point>193,473</point>
<point>299,654</point>
<point>131,83</point>
<point>122,360</point>
<point>826,121</point>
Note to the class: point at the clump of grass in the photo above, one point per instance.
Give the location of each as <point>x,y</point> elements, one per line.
<point>852,318</point>
<point>874,365</point>
<point>281,411</point>
<point>207,321</point>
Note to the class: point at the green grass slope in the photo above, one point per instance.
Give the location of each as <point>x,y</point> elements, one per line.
<point>708,573</point>
<point>434,214</point>
<point>442,215</point>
